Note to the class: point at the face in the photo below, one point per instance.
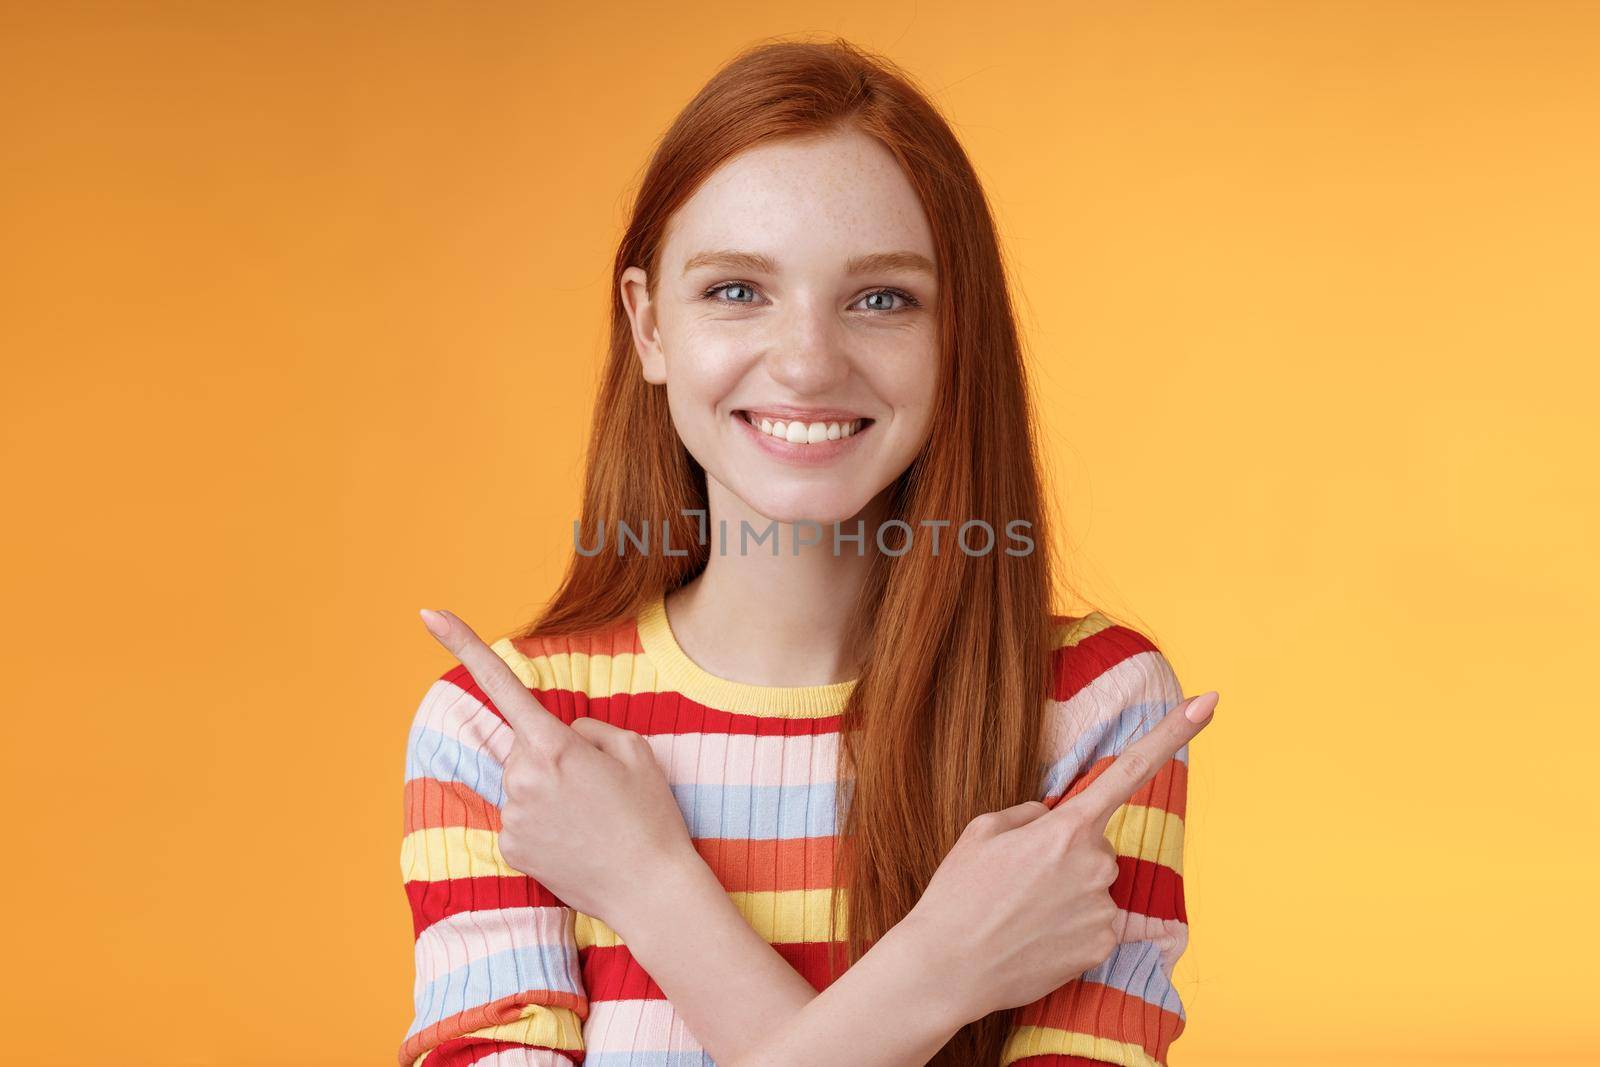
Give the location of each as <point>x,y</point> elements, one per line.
<point>793,326</point>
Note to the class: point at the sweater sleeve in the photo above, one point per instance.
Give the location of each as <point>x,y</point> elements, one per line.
<point>1126,1010</point>
<point>497,970</point>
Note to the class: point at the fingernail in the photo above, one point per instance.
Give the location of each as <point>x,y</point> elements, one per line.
<point>437,624</point>
<point>1200,708</point>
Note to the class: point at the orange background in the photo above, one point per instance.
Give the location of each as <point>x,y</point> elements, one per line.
<point>303,306</point>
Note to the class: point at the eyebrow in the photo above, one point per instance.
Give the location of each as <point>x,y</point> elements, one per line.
<point>872,263</point>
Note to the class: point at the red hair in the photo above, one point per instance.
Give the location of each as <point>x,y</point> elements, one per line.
<point>944,723</point>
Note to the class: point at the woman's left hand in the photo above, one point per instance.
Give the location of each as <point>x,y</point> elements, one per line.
<point>587,810</point>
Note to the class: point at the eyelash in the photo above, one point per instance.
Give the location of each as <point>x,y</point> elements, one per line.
<point>911,301</point>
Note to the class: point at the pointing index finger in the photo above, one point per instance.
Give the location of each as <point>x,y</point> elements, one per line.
<point>528,718</point>
<point>1140,761</point>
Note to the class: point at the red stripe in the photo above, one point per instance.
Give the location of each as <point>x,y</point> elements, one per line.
<point>611,972</point>
<point>432,901</point>
<point>666,712</point>
<point>670,712</point>
<point>1091,1008</point>
<point>1152,889</point>
<point>663,712</point>
<point>1167,790</point>
<point>507,1009</point>
<point>1143,887</point>
<point>1075,666</point>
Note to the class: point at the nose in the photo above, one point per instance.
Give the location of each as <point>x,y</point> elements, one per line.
<point>808,353</point>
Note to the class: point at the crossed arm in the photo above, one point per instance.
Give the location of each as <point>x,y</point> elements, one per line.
<point>688,935</point>
<point>698,947</point>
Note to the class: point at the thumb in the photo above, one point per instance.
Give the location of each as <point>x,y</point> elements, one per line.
<point>1017,815</point>
<point>612,740</point>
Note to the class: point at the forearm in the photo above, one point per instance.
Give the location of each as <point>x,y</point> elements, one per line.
<point>891,1009</point>
<point>750,1008</point>
<point>729,985</point>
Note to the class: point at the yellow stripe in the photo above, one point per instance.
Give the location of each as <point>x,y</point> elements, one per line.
<point>629,673</point>
<point>590,932</point>
<point>443,852</point>
<point>1046,1040</point>
<point>1070,633</point>
<point>781,916</point>
<point>595,676</point>
<point>1147,833</point>
<point>438,853</point>
<point>540,1025</point>
<point>790,915</point>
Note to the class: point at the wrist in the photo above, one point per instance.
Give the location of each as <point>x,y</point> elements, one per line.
<point>664,895</point>
<point>945,989</point>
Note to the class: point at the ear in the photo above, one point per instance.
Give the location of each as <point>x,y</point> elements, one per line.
<point>642,315</point>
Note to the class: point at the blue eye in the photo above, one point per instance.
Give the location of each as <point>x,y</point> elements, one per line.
<point>716,295</point>
<point>910,301</point>
<point>726,287</point>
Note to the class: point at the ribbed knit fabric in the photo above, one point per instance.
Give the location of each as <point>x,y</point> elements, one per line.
<point>508,975</point>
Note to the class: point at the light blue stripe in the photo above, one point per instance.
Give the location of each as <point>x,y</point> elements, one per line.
<point>492,977</point>
<point>431,754</point>
<point>709,810</point>
<point>1107,738</point>
<point>758,813</point>
<point>1135,968</point>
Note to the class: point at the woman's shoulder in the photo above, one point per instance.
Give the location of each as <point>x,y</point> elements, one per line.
<point>551,657</point>
<point>564,671</point>
<point>548,660</point>
<point>1103,653</point>
<point>1109,684</point>
<point>564,668</point>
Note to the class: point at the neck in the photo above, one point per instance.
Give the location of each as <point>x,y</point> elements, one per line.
<point>766,619</point>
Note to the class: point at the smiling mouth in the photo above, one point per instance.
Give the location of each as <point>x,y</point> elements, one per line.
<point>800,432</point>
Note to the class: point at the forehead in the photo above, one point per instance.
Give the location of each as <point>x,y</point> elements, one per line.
<point>837,195</point>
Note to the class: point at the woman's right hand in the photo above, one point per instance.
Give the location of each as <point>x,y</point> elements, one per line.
<point>586,808</point>
<point>1021,904</point>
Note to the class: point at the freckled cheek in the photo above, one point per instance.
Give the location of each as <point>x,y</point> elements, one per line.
<point>906,380</point>
<point>704,370</point>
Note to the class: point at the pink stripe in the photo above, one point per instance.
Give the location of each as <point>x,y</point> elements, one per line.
<point>1171,936</point>
<point>522,1057</point>
<point>688,758</point>
<point>459,939</point>
<point>459,715</point>
<point>1138,679</point>
<point>747,759</point>
<point>637,1026</point>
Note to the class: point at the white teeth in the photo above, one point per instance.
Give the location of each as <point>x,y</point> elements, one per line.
<point>805,433</point>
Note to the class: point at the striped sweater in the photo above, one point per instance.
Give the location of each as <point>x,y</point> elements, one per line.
<point>506,974</point>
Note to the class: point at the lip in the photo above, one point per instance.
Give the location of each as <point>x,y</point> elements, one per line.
<point>820,454</point>
<point>785,413</point>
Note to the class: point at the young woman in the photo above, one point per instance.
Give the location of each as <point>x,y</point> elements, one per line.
<point>799,767</point>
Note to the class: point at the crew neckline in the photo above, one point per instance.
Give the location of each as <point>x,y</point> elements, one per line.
<point>684,675</point>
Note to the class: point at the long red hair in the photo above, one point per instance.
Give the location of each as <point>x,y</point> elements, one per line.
<point>944,723</point>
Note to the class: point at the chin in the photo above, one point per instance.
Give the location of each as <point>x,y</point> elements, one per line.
<point>807,504</point>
